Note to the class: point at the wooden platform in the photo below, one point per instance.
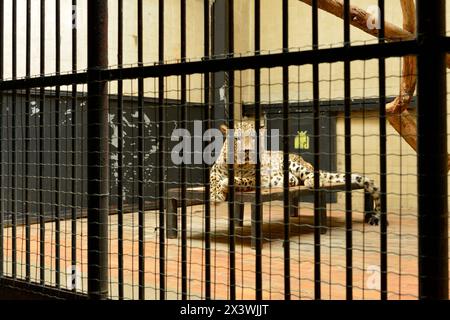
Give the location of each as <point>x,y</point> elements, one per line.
<point>402,254</point>
<point>196,196</point>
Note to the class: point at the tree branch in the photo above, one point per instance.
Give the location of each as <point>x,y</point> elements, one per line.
<point>359,18</point>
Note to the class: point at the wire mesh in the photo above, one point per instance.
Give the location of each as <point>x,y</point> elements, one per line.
<point>301,86</point>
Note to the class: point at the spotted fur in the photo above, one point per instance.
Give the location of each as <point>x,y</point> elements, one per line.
<point>300,171</point>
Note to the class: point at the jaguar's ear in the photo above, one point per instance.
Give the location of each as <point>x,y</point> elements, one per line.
<point>262,121</point>
<point>223,128</point>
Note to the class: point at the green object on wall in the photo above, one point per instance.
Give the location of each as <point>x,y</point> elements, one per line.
<point>302,141</point>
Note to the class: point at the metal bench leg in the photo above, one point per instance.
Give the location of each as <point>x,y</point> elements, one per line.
<point>239,214</point>
<point>323,212</point>
<point>293,208</point>
<point>257,216</point>
<point>172,218</point>
<point>368,207</point>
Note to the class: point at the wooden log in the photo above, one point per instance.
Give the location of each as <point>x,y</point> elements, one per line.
<point>396,111</point>
<point>409,15</point>
<point>398,116</point>
<point>405,124</point>
<point>359,18</point>
<point>409,70</point>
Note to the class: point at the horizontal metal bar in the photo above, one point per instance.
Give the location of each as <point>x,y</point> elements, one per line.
<point>46,81</point>
<point>361,52</point>
<point>334,105</point>
<point>266,61</point>
<point>11,287</point>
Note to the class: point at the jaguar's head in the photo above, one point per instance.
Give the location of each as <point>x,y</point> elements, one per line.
<point>242,150</point>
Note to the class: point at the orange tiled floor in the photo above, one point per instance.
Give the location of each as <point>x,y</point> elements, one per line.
<point>402,256</point>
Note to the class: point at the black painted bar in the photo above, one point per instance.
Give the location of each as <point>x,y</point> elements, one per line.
<point>348,159</point>
<point>383,160</point>
<point>258,203</point>
<point>98,151</point>
<point>432,151</point>
<point>161,187</point>
<point>141,153</point>
<point>74,141</point>
<point>120,153</point>
<point>13,144</point>
<point>208,117</point>
<point>316,115</point>
<point>295,58</point>
<point>184,288</point>
<point>27,146</point>
<point>41,149</point>
<point>231,173</point>
<point>57,205</point>
<point>2,203</point>
<point>286,213</point>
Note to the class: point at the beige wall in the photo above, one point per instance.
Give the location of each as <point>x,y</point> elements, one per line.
<point>66,29</point>
<point>401,161</point>
<point>172,39</point>
<point>300,31</point>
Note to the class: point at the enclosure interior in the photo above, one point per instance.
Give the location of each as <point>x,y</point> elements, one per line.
<point>324,104</point>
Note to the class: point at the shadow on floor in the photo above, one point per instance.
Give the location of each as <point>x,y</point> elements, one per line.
<point>274,230</point>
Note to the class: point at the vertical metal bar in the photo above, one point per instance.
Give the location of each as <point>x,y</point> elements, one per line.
<point>231,173</point>
<point>98,151</point>
<point>74,140</point>
<point>258,203</point>
<point>183,166</point>
<point>161,187</point>
<point>208,116</point>
<point>13,144</point>
<point>27,146</point>
<point>141,150</point>
<point>120,152</point>
<point>348,159</point>
<point>286,128</point>
<point>383,160</point>
<point>57,172</point>
<point>41,149</point>
<point>432,151</point>
<point>316,115</point>
<point>2,206</point>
